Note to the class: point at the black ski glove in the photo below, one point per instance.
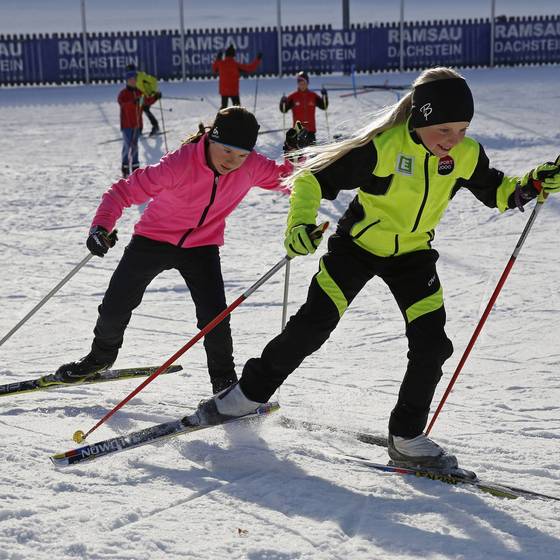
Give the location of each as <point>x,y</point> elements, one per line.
<point>325,98</point>
<point>284,104</point>
<point>297,138</point>
<point>100,240</point>
<point>259,55</point>
<point>220,55</point>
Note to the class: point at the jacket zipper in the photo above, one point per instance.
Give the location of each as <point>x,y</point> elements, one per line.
<point>396,245</point>
<point>204,212</point>
<point>426,190</point>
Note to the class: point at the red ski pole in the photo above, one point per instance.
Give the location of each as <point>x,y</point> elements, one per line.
<point>79,436</point>
<point>493,298</point>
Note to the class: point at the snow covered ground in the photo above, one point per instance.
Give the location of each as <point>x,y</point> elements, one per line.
<point>268,492</point>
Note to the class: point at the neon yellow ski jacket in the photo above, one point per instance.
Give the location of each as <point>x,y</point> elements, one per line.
<point>403,190</point>
<point>147,84</point>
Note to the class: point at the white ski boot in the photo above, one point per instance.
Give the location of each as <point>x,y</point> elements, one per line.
<point>419,451</point>
<point>230,403</point>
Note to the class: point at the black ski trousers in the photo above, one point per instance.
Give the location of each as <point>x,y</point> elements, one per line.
<point>234,100</point>
<point>142,261</point>
<point>412,278</point>
<point>150,115</point>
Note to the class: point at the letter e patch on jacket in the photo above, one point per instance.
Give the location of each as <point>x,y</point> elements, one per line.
<point>405,164</point>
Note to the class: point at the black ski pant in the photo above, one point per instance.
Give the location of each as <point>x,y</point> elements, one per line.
<point>234,100</point>
<point>142,261</point>
<point>150,115</point>
<point>343,271</point>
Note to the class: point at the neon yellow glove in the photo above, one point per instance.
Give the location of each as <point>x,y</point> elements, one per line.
<point>545,176</point>
<point>298,241</point>
<point>552,184</point>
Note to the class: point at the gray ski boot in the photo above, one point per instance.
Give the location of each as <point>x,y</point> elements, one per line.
<point>419,451</point>
<point>228,404</point>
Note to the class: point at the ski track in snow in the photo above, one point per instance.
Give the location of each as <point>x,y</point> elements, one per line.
<point>264,491</point>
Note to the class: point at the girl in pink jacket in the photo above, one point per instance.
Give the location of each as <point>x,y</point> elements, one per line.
<point>192,191</point>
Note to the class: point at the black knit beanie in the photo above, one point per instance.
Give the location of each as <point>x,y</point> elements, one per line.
<point>230,51</point>
<point>235,127</point>
<point>441,101</point>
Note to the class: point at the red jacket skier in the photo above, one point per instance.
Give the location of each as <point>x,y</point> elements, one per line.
<point>229,71</point>
<point>302,103</point>
<point>130,102</point>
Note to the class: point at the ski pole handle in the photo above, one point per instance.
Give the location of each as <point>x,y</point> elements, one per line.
<point>319,230</point>
<point>46,298</point>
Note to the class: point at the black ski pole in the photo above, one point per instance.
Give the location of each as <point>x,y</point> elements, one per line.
<point>163,126</point>
<point>256,95</point>
<point>185,98</point>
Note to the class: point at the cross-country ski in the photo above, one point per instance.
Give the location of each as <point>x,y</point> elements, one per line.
<point>153,434</point>
<point>454,477</point>
<point>49,382</point>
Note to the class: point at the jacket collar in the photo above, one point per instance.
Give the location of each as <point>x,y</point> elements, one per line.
<point>201,153</point>
<point>415,139</point>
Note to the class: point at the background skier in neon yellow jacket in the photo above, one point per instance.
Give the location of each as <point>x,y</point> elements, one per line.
<point>148,85</point>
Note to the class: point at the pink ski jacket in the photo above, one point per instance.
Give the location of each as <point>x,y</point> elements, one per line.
<point>189,202</point>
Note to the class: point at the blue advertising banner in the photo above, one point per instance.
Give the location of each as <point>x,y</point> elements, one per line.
<point>20,59</point>
<point>523,41</point>
<point>107,56</point>
<point>443,43</point>
<point>426,44</point>
<point>61,58</point>
<point>319,49</point>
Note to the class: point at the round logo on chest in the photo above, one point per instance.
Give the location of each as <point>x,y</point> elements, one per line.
<point>445,165</point>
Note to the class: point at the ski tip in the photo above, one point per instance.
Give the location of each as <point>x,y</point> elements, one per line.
<point>59,460</point>
<point>268,407</point>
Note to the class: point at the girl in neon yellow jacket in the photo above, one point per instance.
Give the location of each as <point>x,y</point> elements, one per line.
<point>406,167</point>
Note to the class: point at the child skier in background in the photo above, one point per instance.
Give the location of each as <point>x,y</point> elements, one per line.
<point>148,85</point>
<point>303,102</point>
<point>406,165</point>
<point>130,102</point>
<point>229,71</point>
<point>193,190</point>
